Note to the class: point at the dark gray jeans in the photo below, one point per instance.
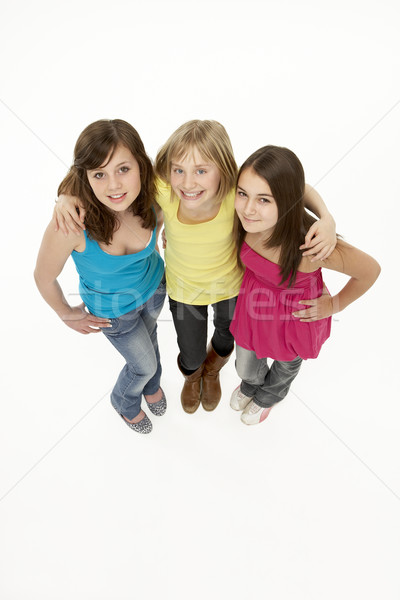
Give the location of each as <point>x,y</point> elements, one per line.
<point>190,322</point>
<point>266,385</point>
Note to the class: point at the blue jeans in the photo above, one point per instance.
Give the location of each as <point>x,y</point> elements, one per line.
<point>266,385</point>
<point>134,335</point>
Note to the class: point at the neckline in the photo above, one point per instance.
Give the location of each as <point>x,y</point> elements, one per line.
<point>131,253</point>
<point>88,240</point>
<point>277,264</point>
<point>178,203</point>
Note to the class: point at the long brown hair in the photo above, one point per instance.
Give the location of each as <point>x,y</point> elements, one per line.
<point>284,174</point>
<point>92,148</point>
<point>213,143</point>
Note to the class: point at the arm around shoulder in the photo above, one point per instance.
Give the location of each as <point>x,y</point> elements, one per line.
<point>320,239</point>
<point>66,214</point>
<point>314,202</point>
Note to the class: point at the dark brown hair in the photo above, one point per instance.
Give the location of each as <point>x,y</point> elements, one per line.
<point>284,174</point>
<point>94,145</point>
<point>211,140</point>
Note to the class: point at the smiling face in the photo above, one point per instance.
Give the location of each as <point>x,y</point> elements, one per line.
<point>255,204</point>
<point>116,184</point>
<point>195,181</point>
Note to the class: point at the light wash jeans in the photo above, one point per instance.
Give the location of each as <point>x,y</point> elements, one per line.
<point>134,335</point>
<point>266,385</point>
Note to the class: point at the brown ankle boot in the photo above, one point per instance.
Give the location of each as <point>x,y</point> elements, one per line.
<point>191,391</point>
<point>211,394</point>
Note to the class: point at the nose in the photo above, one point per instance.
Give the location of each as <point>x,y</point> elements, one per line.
<point>189,182</point>
<point>113,183</point>
<point>249,208</point>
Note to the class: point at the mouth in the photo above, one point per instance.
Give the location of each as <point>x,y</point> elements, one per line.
<point>192,195</point>
<point>247,220</point>
<point>116,198</point>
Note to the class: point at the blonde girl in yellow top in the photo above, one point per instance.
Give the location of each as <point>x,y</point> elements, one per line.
<point>197,174</point>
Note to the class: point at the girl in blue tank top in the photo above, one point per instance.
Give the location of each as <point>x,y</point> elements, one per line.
<point>121,273</point>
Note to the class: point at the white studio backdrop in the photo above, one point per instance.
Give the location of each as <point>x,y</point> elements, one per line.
<point>307,504</point>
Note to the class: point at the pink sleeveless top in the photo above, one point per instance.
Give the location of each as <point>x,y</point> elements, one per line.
<point>263,320</point>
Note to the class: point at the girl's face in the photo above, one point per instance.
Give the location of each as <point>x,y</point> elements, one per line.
<point>255,204</point>
<point>117,184</point>
<point>195,180</point>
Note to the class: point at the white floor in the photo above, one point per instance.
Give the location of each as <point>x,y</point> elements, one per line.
<point>303,506</point>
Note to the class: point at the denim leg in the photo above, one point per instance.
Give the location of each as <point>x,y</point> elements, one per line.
<point>150,314</point>
<point>134,335</point>
<point>267,385</point>
<point>251,370</point>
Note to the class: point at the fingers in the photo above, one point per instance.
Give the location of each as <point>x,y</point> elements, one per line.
<point>319,250</point>
<point>68,222</point>
<point>74,223</point>
<point>59,223</point>
<point>99,321</point>
<point>309,236</point>
<point>310,314</point>
<point>82,214</point>
<point>323,253</point>
<point>317,308</point>
<point>84,322</point>
<point>92,324</point>
<point>55,220</point>
<point>87,330</point>
<point>306,312</point>
<point>309,320</point>
<point>312,244</point>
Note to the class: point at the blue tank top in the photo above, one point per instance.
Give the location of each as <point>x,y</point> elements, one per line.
<point>111,286</point>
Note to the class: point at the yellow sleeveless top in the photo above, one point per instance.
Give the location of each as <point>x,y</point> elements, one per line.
<point>200,259</point>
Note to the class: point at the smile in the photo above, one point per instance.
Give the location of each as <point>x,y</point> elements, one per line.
<point>249,220</point>
<point>192,195</point>
<point>117,197</point>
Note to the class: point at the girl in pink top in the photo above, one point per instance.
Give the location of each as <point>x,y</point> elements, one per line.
<point>269,321</point>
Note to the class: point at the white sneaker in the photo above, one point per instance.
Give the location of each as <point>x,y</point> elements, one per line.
<point>254,414</point>
<point>238,400</point>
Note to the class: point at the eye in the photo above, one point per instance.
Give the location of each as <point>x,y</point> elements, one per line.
<point>178,171</point>
<point>201,171</point>
<point>241,194</point>
<point>124,169</point>
<point>98,175</point>
<point>264,200</point>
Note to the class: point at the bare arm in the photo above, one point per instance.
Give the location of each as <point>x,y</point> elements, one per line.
<point>320,240</point>
<point>53,254</point>
<point>363,271</point>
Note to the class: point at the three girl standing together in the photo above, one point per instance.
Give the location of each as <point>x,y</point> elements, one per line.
<point>196,191</point>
